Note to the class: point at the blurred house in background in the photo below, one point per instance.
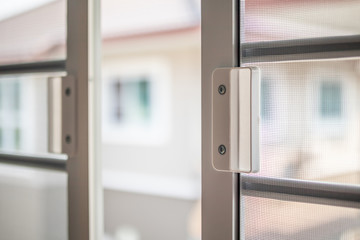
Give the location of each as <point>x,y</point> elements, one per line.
<point>151,110</point>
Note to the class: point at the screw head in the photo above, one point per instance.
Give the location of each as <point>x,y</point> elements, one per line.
<point>68,139</point>
<point>222,89</point>
<point>67,91</point>
<point>222,149</point>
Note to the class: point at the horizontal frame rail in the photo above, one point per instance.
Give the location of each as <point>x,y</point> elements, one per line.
<point>47,161</point>
<point>301,49</point>
<point>33,67</point>
<point>301,191</point>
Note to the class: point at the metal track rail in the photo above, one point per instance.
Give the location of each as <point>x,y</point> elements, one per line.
<point>301,191</point>
<point>301,49</point>
<point>46,161</point>
<point>34,67</point>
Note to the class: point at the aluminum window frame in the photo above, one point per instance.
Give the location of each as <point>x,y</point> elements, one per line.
<point>220,191</point>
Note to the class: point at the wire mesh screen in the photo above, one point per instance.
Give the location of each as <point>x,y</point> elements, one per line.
<point>310,116</point>
<point>293,19</point>
<point>310,126</point>
<point>281,220</point>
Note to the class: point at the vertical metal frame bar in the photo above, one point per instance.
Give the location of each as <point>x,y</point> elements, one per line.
<point>220,191</point>
<point>241,37</point>
<point>95,166</point>
<point>77,66</point>
<point>83,166</point>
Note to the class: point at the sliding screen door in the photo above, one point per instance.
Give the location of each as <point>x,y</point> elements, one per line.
<point>308,183</point>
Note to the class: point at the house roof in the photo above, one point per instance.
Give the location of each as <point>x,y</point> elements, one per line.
<point>124,17</point>
<point>30,34</point>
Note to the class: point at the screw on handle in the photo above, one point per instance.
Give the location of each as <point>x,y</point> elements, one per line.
<point>222,89</point>
<point>68,139</point>
<point>67,91</point>
<point>222,149</point>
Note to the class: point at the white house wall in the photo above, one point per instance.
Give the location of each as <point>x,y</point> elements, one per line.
<point>177,156</point>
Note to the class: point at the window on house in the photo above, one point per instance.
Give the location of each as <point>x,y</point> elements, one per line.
<point>265,100</point>
<point>10,95</point>
<point>331,100</point>
<point>15,95</point>
<point>17,138</point>
<point>131,101</point>
<point>9,113</point>
<point>137,102</point>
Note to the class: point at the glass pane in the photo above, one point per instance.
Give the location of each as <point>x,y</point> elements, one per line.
<point>283,20</point>
<point>32,30</point>
<point>281,220</point>
<point>151,106</point>
<point>310,120</point>
<point>33,204</point>
<point>25,123</point>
